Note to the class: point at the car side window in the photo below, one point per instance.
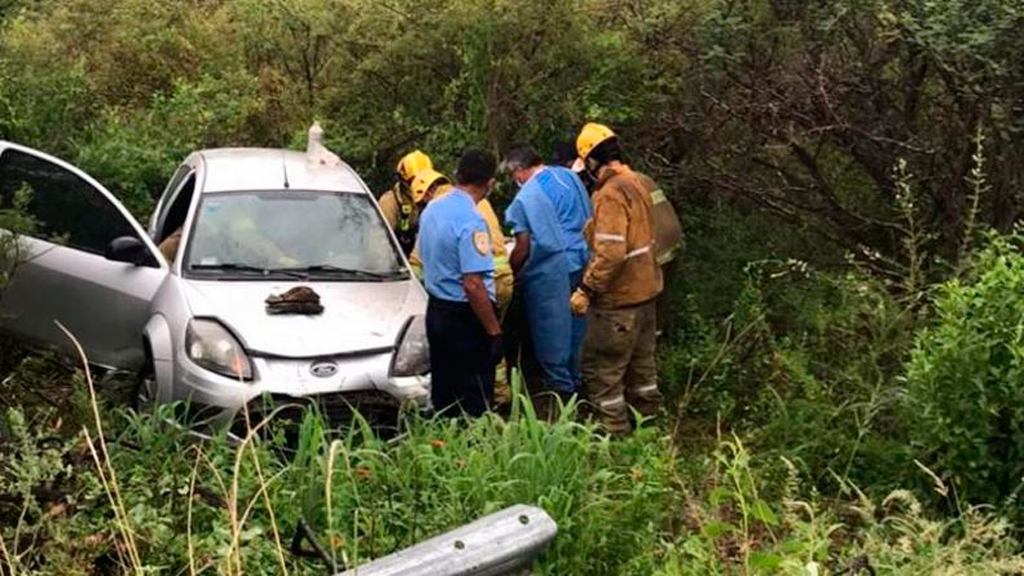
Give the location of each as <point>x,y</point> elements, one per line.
<point>68,210</point>
<point>177,212</point>
<point>164,200</point>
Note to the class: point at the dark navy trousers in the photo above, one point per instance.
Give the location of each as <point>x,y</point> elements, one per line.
<point>461,368</point>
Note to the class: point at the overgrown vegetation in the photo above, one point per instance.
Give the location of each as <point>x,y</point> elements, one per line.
<point>963,379</point>
<point>843,365</point>
<point>623,507</point>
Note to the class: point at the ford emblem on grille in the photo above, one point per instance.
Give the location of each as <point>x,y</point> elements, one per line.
<point>324,369</point>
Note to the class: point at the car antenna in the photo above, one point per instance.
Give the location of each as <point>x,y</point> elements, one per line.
<point>284,167</point>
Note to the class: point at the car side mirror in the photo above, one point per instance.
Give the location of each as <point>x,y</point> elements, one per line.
<point>127,249</point>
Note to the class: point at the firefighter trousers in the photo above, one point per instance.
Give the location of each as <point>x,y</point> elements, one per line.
<point>618,366</point>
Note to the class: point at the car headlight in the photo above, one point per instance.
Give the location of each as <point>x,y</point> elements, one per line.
<point>413,355</point>
<point>211,346</point>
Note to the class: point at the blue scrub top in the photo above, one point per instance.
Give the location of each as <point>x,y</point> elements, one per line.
<point>544,281</point>
<point>532,211</point>
<point>454,241</point>
<point>572,204</point>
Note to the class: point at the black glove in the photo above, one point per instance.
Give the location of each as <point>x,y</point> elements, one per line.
<point>495,350</point>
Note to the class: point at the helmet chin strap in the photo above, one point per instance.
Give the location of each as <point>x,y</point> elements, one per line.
<point>593,168</point>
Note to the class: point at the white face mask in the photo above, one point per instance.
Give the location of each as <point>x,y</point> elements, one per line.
<point>515,177</point>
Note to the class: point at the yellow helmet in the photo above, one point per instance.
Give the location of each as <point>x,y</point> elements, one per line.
<point>591,136</point>
<point>424,180</point>
<point>411,164</point>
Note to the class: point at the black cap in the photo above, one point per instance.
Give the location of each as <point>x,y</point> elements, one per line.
<point>565,154</point>
<point>476,167</point>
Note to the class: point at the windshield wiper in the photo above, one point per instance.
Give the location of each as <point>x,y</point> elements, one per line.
<point>238,267</point>
<point>329,269</point>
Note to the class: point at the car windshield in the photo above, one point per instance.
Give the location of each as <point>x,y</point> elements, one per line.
<point>291,234</point>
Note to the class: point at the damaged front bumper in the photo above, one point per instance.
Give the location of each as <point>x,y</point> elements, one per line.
<point>336,385</point>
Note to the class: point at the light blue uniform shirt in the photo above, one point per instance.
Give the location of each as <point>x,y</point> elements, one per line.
<point>454,241</point>
<point>572,205</point>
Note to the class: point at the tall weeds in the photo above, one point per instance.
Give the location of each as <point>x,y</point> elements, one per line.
<point>977,180</point>
<point>631,506</point>
<point>104,467</point>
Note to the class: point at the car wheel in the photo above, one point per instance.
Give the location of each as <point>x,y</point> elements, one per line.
<point>117,386</point>
<point>143,399</point>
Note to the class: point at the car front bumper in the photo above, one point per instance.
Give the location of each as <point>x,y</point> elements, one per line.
<point>358,379</point>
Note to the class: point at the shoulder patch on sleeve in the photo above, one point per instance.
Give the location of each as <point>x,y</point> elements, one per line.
<point>482,242</point>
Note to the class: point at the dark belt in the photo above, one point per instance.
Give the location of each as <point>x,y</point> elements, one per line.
<point>448,304</point>
<point>453,306</point>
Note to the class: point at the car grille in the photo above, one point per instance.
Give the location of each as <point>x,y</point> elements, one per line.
<point>379,409</point>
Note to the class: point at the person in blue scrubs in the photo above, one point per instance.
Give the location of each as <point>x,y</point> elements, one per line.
<point>545,223</point>
<point>552,203</point>
<point>458,272</point>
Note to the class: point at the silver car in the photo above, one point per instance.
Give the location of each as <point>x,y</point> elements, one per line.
<point>252,223</point>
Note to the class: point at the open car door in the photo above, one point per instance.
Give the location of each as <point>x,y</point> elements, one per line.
<point>86,263</point>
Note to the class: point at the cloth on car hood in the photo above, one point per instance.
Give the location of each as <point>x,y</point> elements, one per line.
<point>298,300</point>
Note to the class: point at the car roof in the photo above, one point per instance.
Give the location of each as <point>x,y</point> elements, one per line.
<point>237,169</point>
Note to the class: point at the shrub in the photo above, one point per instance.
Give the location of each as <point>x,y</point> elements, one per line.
<point>15,219</point>
<point>134,152</point>
<point>628,506</point>
<point>804,367</point>
<point>965,378</point>
<point>831,401</point>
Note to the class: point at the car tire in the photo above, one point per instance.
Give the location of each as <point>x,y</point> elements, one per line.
<point>145,389</point>
<point>116,386</point>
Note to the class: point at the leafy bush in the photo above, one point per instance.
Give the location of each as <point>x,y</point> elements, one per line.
<point>15,219</point>
<point>45,97</point>
<point>964,378</point>
<point>804,367</point>
<point>134,152</point>
<point>831,401</point>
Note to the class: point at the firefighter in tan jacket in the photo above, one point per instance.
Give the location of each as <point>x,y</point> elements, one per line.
<point>620,286</point>
<point>401,210</point>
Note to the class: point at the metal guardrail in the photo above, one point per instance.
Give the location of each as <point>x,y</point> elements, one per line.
<point>505,543</point>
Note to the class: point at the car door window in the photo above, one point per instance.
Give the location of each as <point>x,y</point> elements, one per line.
<point>164,201</point>
<point>177,212</point>
<point>68,210</point>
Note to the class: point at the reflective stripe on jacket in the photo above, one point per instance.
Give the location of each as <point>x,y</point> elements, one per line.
<point>623,269</point>
<point>402,215</point>
<point>668,230</point>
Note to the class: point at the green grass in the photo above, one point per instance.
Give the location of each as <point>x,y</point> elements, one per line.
<point>179,505</point>
<point>629,506</point>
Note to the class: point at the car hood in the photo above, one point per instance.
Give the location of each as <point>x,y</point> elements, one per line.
<point>357,316</point>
